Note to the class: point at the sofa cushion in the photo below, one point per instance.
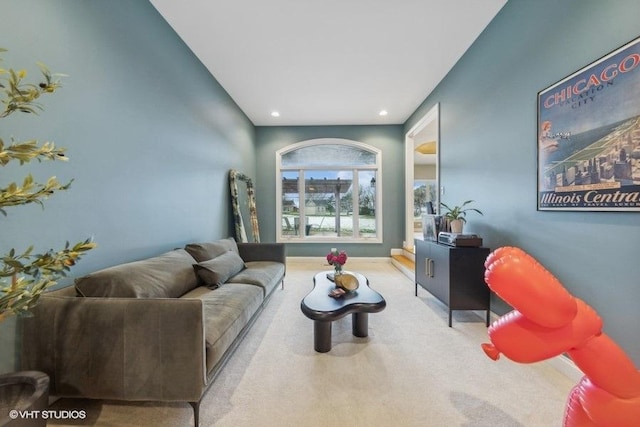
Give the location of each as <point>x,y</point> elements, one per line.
<point>206,251</point>
<point>216,271</point>
<point>265,274</point>
<point>169,275</point>
<point>227,311</point>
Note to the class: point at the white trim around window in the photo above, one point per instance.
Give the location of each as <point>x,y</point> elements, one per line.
<point>337,198</point>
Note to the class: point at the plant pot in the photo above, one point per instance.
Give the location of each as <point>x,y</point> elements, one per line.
<point>456,225</point>
<point>23,393</point>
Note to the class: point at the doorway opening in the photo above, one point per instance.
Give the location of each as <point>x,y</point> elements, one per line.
<point>422,174</point>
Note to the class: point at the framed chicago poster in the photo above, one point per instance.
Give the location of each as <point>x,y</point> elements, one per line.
<point>589,136</point>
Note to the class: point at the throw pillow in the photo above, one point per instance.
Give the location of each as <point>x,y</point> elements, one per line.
<point>206,251</point>
<point>216,271</point>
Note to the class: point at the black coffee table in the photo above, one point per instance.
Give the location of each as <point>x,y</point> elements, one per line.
<point>323,309</point>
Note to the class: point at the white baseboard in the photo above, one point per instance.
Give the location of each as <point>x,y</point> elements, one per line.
<point>565,365</point>
<point>323,260</point>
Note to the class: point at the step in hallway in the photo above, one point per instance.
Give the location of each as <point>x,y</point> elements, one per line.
<point>405,262</point>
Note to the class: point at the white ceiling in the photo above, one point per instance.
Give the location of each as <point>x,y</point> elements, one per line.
<point>328,62</point>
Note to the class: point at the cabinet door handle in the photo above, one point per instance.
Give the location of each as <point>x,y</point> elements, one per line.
<point>428,267</point>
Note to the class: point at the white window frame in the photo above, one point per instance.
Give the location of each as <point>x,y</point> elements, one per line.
<point>356,238</point>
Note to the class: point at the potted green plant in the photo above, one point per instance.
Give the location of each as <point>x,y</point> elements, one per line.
<point>25,275</point>
<point>457,215</point>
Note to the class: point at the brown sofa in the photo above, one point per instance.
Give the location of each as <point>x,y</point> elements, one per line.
<point>158,329</point>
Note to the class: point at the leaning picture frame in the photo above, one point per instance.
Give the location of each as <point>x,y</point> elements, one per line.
<point>243,203</point>
<point>430,227</point>
<point>589,136</point>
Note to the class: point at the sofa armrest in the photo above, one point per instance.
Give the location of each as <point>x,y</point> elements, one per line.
<point>263,252</point>
<point>118,348</point>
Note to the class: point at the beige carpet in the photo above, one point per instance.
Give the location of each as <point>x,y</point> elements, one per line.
<point>412,370</point>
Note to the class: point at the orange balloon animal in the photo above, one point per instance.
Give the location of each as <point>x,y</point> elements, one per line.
<point>548,321</point>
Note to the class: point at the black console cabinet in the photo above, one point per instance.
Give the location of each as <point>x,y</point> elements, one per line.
<point>454,275</point>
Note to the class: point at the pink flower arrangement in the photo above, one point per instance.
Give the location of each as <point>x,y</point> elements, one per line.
<point>337,259</point>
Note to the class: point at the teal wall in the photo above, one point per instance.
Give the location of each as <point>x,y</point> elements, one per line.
<point>389,139</point>
<point>150,135</point>
<point>488,149</point>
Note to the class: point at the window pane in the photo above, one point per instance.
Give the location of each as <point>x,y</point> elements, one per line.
<point>327,201</point>
<point>290,203</point>
<point>328,154</point>
<point>329,192</point>
<point>367,203</point>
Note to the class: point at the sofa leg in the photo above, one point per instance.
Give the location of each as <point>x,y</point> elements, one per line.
<point>196,412</point>
<point>282,284</point>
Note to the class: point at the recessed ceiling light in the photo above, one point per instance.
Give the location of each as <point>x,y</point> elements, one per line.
<point>275,114</point>
<point>383,112</point>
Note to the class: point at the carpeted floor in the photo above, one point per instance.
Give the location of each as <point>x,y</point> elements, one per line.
<point>412,370</point>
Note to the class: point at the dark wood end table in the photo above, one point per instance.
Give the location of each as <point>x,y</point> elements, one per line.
<point>323,309</point>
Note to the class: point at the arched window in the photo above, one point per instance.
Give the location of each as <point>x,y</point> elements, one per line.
<point>330,187</point>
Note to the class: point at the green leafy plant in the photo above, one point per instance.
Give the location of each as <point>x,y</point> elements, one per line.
<point>458,212</point>
<point>24,276</point>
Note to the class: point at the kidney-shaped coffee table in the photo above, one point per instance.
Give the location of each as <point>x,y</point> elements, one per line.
<point>323,309</point>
